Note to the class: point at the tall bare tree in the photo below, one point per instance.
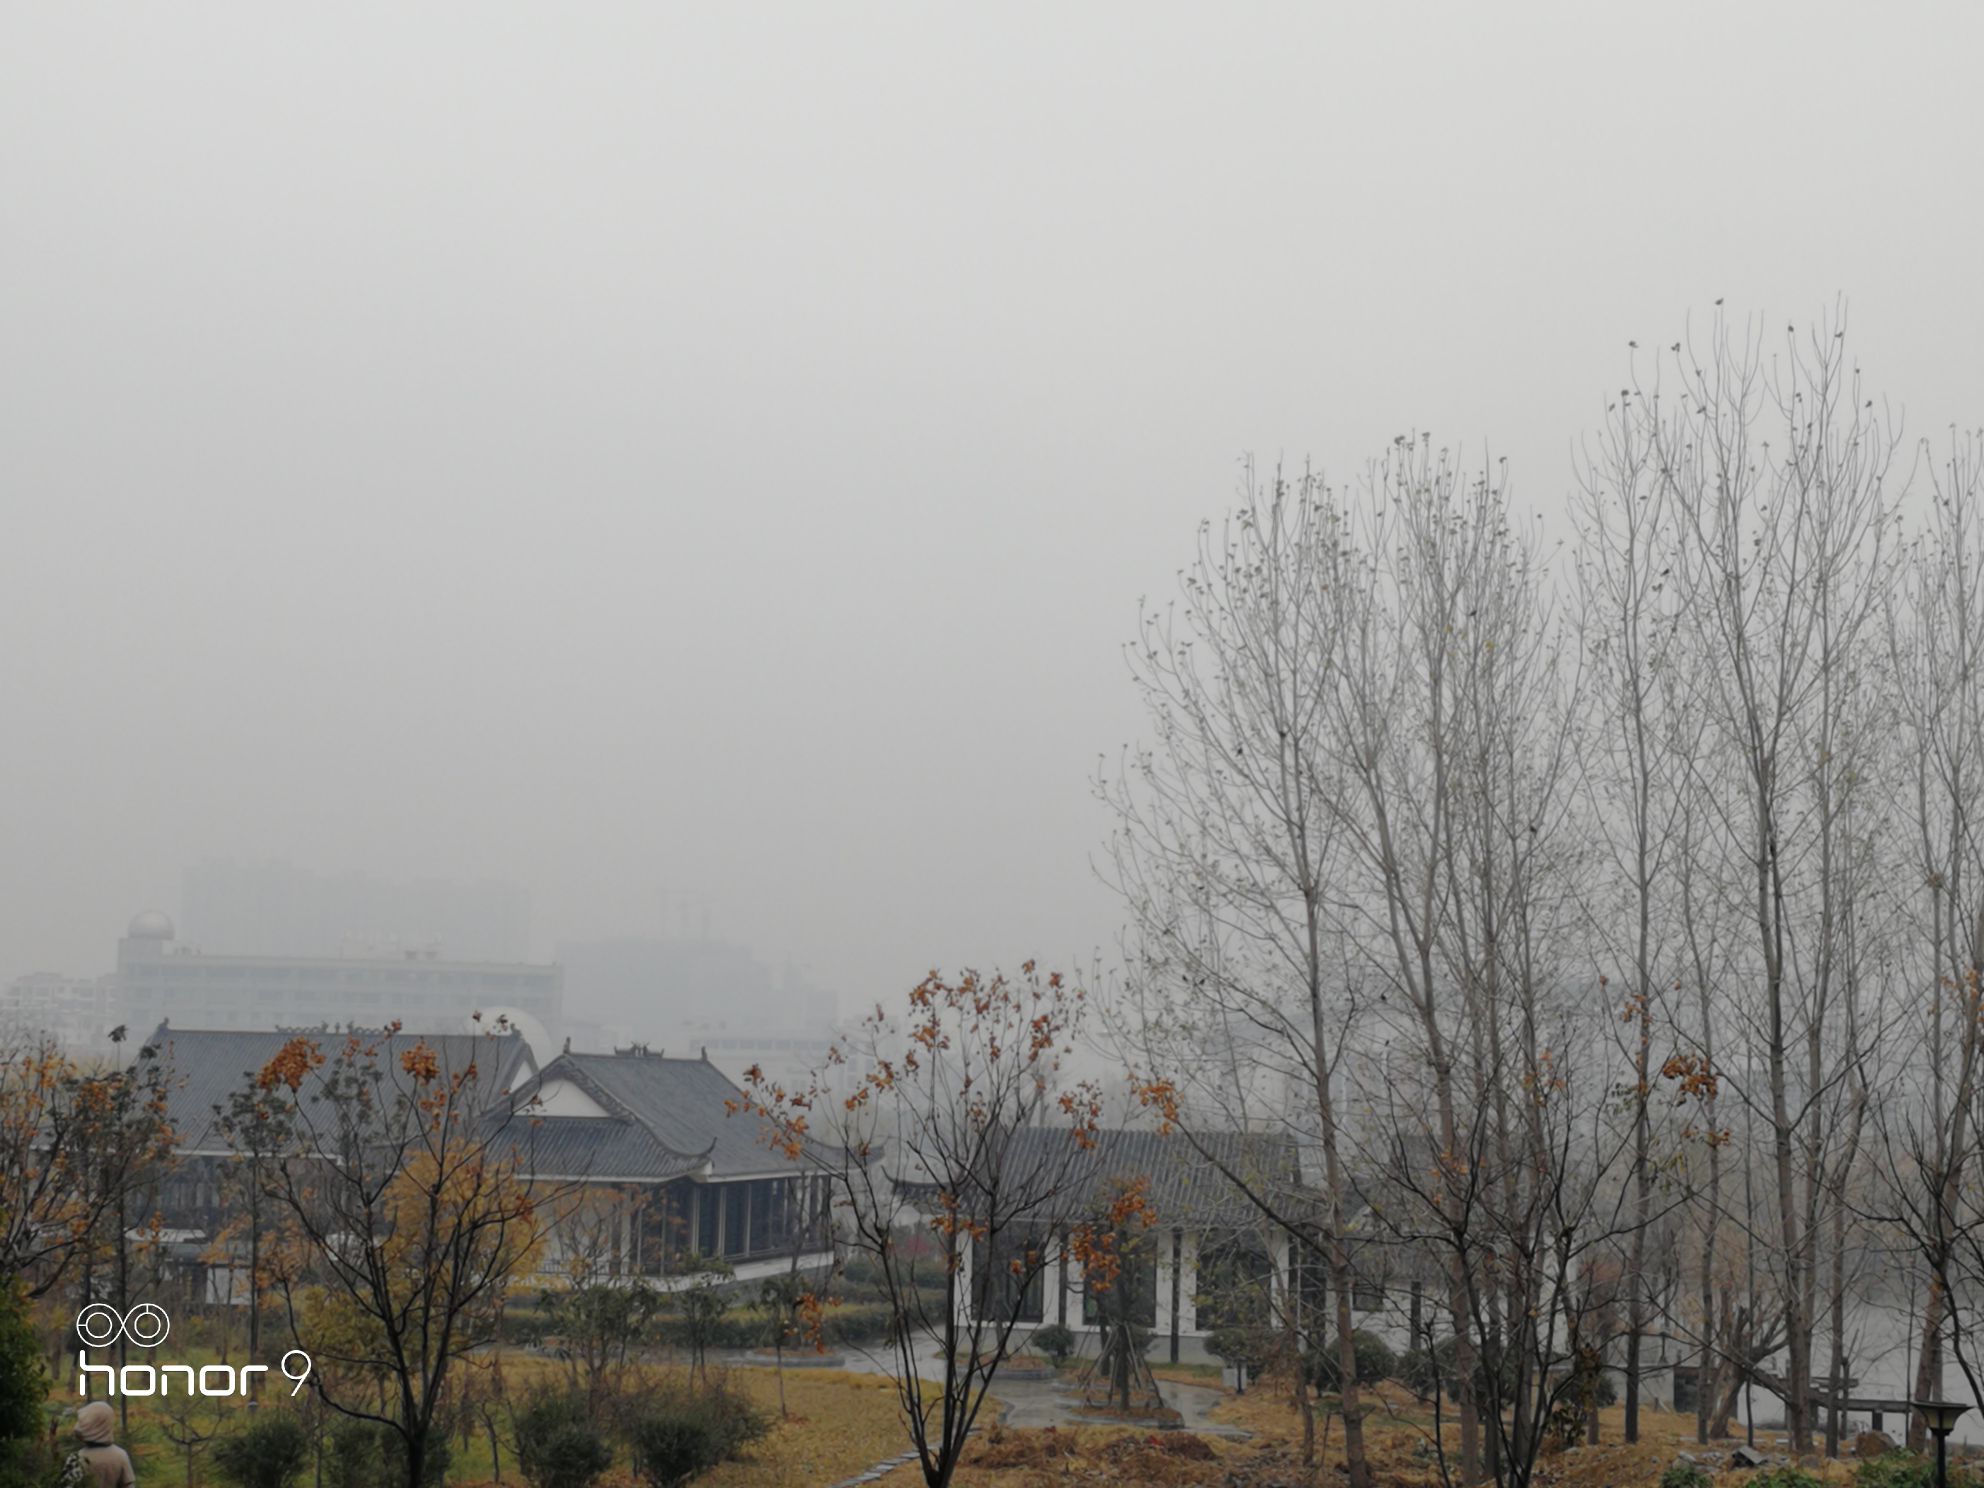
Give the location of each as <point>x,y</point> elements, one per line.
<point>1776,473</point>
<point>1451,728</point>
<point>1936,645</point>
<point>1226,845</point>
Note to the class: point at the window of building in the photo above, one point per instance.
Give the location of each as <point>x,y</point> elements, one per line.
<point>706,1219</point>
<point>664,1228</point>
<point>768,1210</point>
<point>997,1289</point>
<point>736,1218</point>
<point>1234,1287</point>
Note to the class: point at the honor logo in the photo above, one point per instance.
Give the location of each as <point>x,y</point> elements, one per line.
<point>100,1325</point>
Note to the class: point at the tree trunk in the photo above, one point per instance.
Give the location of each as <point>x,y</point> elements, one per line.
<point>1928,1361</point>
<point>1797,1324</point>
<point>1356,1462</point>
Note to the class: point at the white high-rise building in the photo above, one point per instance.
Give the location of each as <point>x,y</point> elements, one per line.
<point>160,979</point>
<point>77,1012</point>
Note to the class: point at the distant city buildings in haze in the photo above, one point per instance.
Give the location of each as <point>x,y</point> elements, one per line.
<point>696,994</point>
<point>160,979</point>
<point>77,1012</point>
<point>269,945</point>
<point>278,909</point>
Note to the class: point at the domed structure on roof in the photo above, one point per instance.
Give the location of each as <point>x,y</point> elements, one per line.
<point>151,925</point>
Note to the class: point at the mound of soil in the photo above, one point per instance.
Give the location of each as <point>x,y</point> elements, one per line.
<point>1043,1448</point>
<point>1179,1445</point>
<point>1151,1458</point>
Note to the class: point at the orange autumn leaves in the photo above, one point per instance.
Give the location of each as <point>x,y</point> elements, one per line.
<point>1099,1246</point>
<point>974,1038</point>
<point>291,1065</point>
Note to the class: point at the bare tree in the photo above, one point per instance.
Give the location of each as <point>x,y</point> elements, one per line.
<point>1357,804</point>
<point>597,1310</point>
<point>1776,477</point>
<point>1226,845</point>
<point>948,1122</point>
<point>1452,729</point>
<point>1936,647</point>
<point>1634,769</point>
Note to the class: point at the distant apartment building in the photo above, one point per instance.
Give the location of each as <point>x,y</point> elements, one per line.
<point>790,1057</point>
<point>697,995</point>
<point>159,979</point>
<point>77,1012</point>
<point>278,909</point>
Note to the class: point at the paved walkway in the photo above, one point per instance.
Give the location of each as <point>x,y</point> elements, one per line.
<point>1053,1404</point>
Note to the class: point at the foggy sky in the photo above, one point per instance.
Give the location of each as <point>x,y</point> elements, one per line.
<point>637,450</point>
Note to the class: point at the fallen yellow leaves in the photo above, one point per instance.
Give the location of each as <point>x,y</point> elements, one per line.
<point>842,1424</point>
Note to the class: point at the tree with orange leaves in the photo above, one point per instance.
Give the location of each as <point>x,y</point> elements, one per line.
<point>911,1123</point>
<point>1109,1249</point>
<point>74,1145</point>
<point>403,1214</point>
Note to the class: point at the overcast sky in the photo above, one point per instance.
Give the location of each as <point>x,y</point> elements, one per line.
<point>636,450</point>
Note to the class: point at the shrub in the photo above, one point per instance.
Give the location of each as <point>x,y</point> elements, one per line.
<point>24,1453</point>
<point>557,1443</point>
<point>26,1462</point>
<point>1785,1477</point>
<point>748,1327</point>
<point>1056,1340</point>
<point>271,1453</point>
<point>354,1457</point>
<point>360,1454</point>
<point>1900,1469</point>
<point>736,1422</point>
<point>702,1305</point>
<point>672,1446</point>
<point>681,1435</point>
<point>1242,1345</point>
<point>433,1472</point>
<point>596,1322</point>
<point>23,1376</point>
<point>1420,1371</point>
<point>1375,1361</point>
<point>1686,1475</point>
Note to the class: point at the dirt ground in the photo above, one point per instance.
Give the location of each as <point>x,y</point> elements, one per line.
<point>1400,1439</point>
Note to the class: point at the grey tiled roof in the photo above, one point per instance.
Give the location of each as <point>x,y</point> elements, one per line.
<point>205,1067</point>
<point>583,1147</point>
<point>681,1105</point>
<point>1185,1187</point>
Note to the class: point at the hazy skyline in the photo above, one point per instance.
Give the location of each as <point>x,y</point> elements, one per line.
<point>633,451</point>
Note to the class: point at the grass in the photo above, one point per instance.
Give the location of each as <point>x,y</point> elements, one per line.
<point>839,1425</point>
<point>842,1423</point>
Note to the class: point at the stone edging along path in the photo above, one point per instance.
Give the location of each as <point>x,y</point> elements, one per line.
<point>887,1465</point>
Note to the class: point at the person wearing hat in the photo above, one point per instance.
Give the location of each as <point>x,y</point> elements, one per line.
<point>109,1465</point>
